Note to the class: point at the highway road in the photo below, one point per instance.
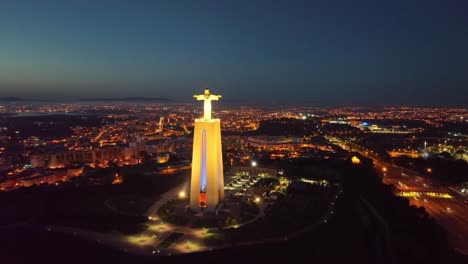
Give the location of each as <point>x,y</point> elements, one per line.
<point>444,205</point>
<point>451,213</point>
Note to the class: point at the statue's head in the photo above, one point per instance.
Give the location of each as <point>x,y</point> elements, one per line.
<point>207,93</point>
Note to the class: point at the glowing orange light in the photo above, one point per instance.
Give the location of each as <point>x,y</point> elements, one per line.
<point>355,160</point>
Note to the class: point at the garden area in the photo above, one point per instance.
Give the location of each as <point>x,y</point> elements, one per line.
<point>297,209</point>
<point>130,204</point>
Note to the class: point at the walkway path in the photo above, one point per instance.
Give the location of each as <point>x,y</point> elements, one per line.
<point>164,198</point>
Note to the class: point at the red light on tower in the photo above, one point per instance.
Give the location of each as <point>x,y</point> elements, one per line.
<point>202,200</point>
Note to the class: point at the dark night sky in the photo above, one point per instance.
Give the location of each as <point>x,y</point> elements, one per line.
<point>321,52</point>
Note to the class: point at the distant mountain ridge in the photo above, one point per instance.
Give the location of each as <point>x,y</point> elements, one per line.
<point>126,99</point>
<point>17,99</point>
<point>97,99</point>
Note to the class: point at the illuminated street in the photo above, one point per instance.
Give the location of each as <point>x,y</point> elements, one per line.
<point>449,212</point>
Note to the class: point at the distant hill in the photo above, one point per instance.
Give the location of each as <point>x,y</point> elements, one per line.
<point>17,99</point>
<point>127,99</point>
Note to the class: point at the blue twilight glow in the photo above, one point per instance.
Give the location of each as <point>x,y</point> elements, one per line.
<point>319,52</point>
<point>203,163</point>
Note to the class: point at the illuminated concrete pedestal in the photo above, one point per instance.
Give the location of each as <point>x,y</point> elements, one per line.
<point>207,182</point>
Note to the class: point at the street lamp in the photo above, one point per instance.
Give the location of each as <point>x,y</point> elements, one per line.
<point>182,194</point>
<point>254,164</point>
<point>429,170</point>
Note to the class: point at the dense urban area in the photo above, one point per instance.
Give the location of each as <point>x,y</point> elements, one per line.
<point>379,184</point>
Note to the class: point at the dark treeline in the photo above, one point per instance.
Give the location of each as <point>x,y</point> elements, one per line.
<point>444,170</point>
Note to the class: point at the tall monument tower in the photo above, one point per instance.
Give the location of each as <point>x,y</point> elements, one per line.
<point>207,182</point>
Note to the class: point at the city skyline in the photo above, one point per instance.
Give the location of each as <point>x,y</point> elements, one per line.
<point>338,54</point>
<point>234,131</point>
